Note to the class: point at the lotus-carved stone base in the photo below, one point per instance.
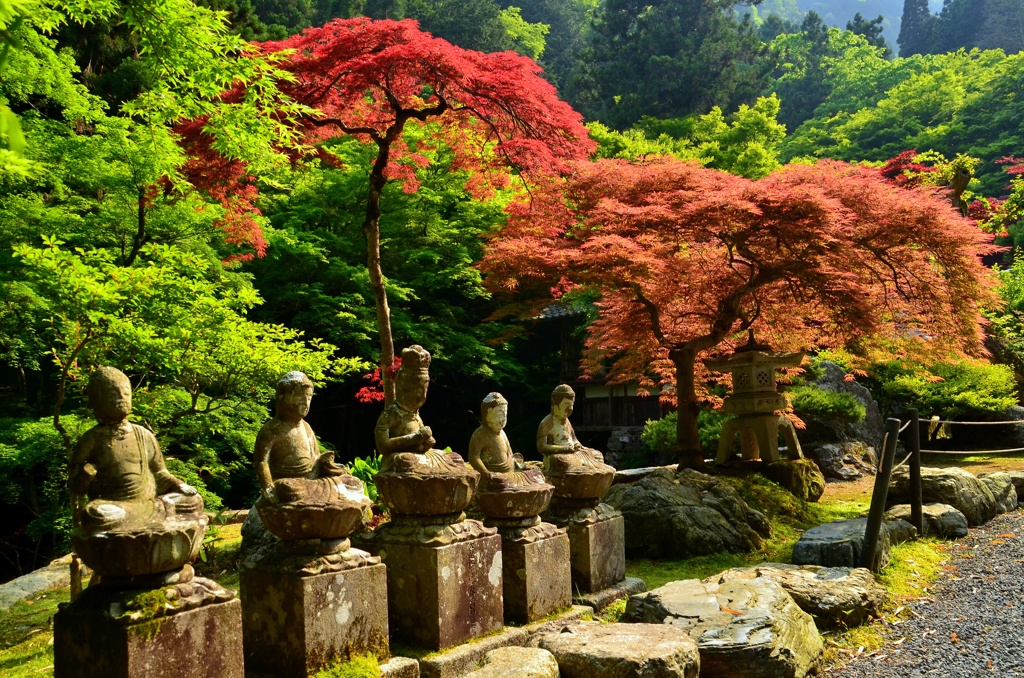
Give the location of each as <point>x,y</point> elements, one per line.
<point>427,495</point>
<point>134,553</point>
<point>522,501</point>
<point>335,520</point>
<point>591,485</point>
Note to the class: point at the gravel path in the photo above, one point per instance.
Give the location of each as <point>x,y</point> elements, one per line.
<point>973,622</point>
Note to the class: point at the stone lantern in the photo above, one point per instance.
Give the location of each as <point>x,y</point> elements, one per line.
<point>756,402</point>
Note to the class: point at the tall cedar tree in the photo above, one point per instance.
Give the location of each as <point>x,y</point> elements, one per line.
<point>916,28</point>
<point>369,78</point>
<point>686,259</point>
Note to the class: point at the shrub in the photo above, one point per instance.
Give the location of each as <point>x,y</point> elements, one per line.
<point>812,401</point>
<point>946,389</point>
<point>659,435</point>
<point>366,469</point>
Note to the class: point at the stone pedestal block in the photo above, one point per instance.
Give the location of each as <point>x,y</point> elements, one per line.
<point>294,625</point>
<point>537,579</point>
<point>597,553</point>
<point>199,643</point>
<point>440,596</point>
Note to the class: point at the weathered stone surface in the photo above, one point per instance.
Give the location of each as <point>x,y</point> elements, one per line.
<point>940,520</point>
<point>400,667</point>
<point>462,659</point>
<point>295,625</point>
<point>599,600</point>
<point>833,596</point>
<point>517,662</point>
<point>831,429</point>
<point>441,596</point>
<point>800,476</point>
<point>537,579</point>
<point>1017,478</point>
<point>593,650</point>
<point>841,543</point>
<point>597,553</point>
<point>953,486</point>
<point>578,473</point>
<point>681,514</point>
<point>200,643</point>
<point>743,628</point>
<point>55,575</point>
<point>1003,490</point>
<point>844,461</point>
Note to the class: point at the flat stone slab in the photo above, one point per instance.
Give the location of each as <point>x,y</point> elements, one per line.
<point>400,667</point>
<point>743,628</point>
<point>462,659</point>
<point>517,662</point>
<point>200,643</point>
<point>841,543</point>
<point>834,596</point>
<point>599,600</point>
<point>594,650</point>
<point>940,520</point>
<point>55,575</point>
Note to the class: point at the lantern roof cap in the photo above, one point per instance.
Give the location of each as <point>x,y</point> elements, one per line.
<point>748,358</point>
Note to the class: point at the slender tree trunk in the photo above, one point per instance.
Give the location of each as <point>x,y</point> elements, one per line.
<point>371,229</point>
<point>687,438</point>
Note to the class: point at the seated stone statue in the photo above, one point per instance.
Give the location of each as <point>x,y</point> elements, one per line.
<point>507,489</point>
<point>577,472</point>
<point>131,516</point>
<point>415,478</point>
<point>305,494</point>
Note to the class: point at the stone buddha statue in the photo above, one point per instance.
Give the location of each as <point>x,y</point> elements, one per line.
<point>577,472</point>
<point>508,489</point>
<point>415,478</point>
<point>305,495</point>
<point>132,518</point>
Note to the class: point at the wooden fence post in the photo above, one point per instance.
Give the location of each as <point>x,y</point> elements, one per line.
<point>881,491</point>
<point>914,443</point>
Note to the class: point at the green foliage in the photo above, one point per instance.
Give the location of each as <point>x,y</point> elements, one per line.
<point>527,38</point>
<point>811,401</point>
<point>357,667</point>
<point>945,389</point>
<point>746,143</point>
<point>366,469</point>
<point>659,435</point>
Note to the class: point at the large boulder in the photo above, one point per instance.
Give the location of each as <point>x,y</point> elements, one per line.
<point>836,430</point>
<point>1002,488</point>
<point>1017,478</point>
<point>744,628</point>
<point>833,596</point>
<point>841,543</point>
<point>680,514</point>
<point>953,486</point>
<point>940,520</point>
<point>800,476</point>
<point>843,461</point>
<point>594,650</point>
<point>517,662</point>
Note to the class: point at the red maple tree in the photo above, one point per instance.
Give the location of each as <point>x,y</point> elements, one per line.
<point>687,259</point>
<point>370,78</point>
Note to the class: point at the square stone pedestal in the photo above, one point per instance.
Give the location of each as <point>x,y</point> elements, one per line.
<point>537,577</point>
<point>597,552</point>
<point>440,596</point>
<point>294,625</point>
<point>200,643</point>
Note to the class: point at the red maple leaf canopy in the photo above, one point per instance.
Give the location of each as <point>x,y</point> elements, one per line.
<point>686,259</point>
<point>368,78</point>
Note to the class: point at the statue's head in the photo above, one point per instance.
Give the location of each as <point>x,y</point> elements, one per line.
<point>294,393</point>
<point>110,395</point>
<point>562,400</point>
<point>413,378</point>
<point>494,411</point>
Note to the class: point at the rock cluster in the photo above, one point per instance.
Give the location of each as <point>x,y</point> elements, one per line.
<point>681,514</point>
<point>841,543</point>
<point>970,495</point>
